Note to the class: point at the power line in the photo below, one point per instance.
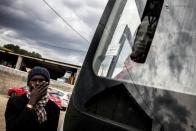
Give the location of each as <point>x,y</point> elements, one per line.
<point>63,47</point>
<point>67,23</point>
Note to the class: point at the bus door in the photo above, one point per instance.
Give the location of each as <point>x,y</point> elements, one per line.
<point>138,74</point>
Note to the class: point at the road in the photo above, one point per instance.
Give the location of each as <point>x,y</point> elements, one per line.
<point>3,102</point>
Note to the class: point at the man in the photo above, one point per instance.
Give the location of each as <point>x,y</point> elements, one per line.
<point>33,111</point>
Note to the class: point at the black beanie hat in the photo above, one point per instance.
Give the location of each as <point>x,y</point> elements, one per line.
<point>37,70</point>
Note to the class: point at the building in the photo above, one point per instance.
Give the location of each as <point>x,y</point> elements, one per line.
<point>59,71</point>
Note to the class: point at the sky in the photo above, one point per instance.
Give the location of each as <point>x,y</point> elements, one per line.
<point>35,27</point>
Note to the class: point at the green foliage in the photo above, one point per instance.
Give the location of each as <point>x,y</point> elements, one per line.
<point>16,49</point>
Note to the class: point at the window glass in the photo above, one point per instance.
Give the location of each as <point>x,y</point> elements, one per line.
<point>170,62</point>
<point>120,43</point>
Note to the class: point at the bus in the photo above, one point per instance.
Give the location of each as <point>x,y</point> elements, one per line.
<point>139,71</point>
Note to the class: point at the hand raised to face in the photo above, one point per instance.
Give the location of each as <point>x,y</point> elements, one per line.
<point>38,88</point>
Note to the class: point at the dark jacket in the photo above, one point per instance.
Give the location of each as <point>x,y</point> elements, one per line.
<point>20,118</point>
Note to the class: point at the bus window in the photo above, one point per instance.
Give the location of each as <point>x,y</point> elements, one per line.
<point>128,22</point>
<point>169,62</point>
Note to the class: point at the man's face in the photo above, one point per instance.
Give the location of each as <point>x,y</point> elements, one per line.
<point>35,81</point>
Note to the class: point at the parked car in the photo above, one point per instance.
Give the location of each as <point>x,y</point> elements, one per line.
<point>17,91</point>
<point>64,96</point>
<point>59,97</point>
<point>56,100</point>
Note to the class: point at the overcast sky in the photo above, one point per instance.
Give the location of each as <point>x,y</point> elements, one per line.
<point>34,26</point>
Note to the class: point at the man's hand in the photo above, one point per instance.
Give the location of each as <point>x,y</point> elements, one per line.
<point>38,92</point>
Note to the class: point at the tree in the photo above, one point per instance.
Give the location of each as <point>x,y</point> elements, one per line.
<point>16,49</point>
